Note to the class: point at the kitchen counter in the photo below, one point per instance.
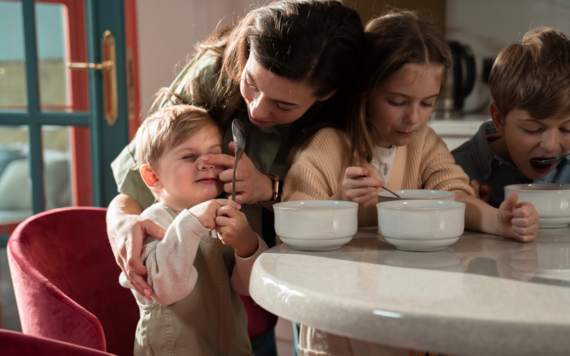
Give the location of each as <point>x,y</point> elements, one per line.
<point>484,295</point>
<point>456,131</point>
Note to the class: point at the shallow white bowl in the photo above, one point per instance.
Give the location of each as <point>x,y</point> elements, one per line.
<point>416,194</point>
<point>421,225</point>
<point>551,200</point>
<point>316,225</point>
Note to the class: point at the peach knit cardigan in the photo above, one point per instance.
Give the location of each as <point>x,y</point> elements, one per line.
<point>424,163</point>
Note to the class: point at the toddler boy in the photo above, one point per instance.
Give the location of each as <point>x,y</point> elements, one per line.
<point>530,87</point>
<point>196,278</point>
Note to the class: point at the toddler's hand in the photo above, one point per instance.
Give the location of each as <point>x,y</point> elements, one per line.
<point>482,192</point>
<point>206,211</point>
<point>517,220</point>
<point>357,186</point>
<point>234,230</point>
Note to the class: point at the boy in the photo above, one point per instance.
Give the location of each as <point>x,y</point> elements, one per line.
<point>530,86</point>
<point>195,309</point>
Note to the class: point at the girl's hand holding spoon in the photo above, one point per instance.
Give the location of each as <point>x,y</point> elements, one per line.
<point>358,186</point>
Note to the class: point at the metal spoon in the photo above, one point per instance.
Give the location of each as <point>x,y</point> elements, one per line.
<point>397,196</point>
<point>549,160</point>
<point>388,190</point>
<point>238,133</point>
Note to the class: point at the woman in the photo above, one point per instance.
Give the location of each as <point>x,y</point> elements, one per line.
<point>284,71</point>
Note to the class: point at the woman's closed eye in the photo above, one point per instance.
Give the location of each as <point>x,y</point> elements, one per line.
<point>283,108</point>
<point>427,105</point>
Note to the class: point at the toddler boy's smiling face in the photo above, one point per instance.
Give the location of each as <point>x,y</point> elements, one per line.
<point>185,179</point>
<point>527,138</point>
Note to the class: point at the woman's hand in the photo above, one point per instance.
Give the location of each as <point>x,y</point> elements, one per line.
<point>126,232</point>
<point>517,220</point>
<point>357,186</point>
<point>234,230</point>
<point>252,186</point>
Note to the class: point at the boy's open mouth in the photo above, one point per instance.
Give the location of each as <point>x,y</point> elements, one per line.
<point>540,167</point>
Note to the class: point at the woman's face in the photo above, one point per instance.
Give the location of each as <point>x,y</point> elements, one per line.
<point>402,105</point>
<point>272,100</point>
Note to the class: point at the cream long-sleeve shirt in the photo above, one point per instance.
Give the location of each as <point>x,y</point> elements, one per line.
<point>169,262</point>
<point>424,163</point>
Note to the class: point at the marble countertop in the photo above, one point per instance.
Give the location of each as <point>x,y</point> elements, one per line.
<point>484,295</point>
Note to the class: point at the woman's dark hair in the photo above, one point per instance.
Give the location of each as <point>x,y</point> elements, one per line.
<point>316,43</point>
<point>393,40</point>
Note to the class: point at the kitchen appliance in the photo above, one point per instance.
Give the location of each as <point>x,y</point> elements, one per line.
<point>460,81</point>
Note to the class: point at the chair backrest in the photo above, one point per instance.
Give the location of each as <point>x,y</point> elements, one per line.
<point>66,281</point>
<point>18,344</point>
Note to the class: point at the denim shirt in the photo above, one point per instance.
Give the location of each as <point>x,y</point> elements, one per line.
<point>484,166</point>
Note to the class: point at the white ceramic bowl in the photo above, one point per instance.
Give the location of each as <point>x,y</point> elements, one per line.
<point>316,225</point>
<point>551,200</point>
<point>421,225</point>
<point>416,194</point>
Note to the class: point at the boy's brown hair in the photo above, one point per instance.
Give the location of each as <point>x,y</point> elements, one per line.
<point>168,128</point>
<point>533,75</point>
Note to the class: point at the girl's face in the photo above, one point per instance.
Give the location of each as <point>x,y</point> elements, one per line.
<point>272,100</point>
<point>402,105</point>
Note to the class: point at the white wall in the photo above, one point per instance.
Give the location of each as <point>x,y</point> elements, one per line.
<point>490,25</point>
<point>168,31</point>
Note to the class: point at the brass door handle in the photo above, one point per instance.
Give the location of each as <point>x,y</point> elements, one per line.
<point>81,65</point>
<point>109,68</point>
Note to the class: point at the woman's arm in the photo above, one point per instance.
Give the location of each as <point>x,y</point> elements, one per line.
<point>126,230</point>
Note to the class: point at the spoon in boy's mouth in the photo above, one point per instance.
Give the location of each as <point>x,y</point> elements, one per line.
<point>548,161</point>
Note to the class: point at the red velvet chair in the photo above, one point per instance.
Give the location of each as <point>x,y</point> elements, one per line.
<point>66,281</point>
<point>18,344</point>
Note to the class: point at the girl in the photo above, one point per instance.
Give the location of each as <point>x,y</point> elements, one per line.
<point>284,71</point>
<point>387,142</point>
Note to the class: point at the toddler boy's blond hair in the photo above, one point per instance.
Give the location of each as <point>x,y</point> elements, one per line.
<point>166,129</point>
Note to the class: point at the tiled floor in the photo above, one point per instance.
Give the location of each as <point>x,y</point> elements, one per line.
<point>11,321</point>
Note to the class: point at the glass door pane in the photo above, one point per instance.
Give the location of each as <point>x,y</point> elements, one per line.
<point>60,34</point>
<point>12,57</point>
<point>57,166</point>
<point>15,182</point>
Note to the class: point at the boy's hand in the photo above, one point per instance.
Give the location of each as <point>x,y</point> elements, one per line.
<point>482,192</point>
<point>234,230</point>
<point>357,186</point>
<point>517,220</point>
<point>206,211</point>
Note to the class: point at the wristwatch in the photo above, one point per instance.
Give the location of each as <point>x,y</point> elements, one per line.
<point>275,198</point>
<point>275,179</point>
